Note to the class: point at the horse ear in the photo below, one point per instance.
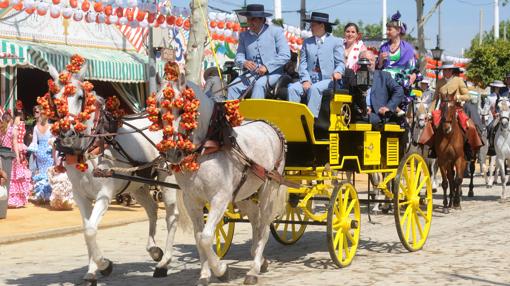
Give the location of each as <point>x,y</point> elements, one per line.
<point>53,72</point>
<point>81,74</point>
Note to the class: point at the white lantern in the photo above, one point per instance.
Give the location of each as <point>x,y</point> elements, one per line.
<point>29,4</point>
<point>212,16</point>
<point>101,17</point>
<point>227,33</point>
<point>144,23</point>
<point>114,19</point>
<point>55,11</point>
<point>164,25</point>
<point>15,2</point>
<point>91,17</point>
<point>78,15</point>
<point>153,8</point>
<point>291,29</point>
<point>221,17</point>
<point>132,3</point>
<point>123,21</point>
<point>67,12</point>
<point>164,10</point>
<point>133,24</point>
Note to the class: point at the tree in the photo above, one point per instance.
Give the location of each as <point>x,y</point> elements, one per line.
<point>369,31</point>
<point>490,61</point>
<point>421,21</point>
<point>488,36</point>
<point>197,40</point>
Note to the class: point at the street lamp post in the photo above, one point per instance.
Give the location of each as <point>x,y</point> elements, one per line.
<point>437,53</point>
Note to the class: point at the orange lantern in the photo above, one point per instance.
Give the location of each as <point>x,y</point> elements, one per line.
<point>85,6</point>
<point>229,25</point>
<point>214,36</point>
<point>187,24</point>
<point>119,12</point>
<point>300,41</point>
<point>56,2</point>
<point>179,21</point>
<point>221,25</point>
<point>4,4</point>
<point>18,7</point>
<point>170,20</point>
<point>213,24</point>
<point>161,19</point>
<point>140,15</point>
<point>221,38</point>
<point>42,12</point>
<point>108,10</point>
<point>30,11</point>
<point>236,27</point>
<point>98,7</point>
<point>73,3</point>
<point>130,14</point>
<point>151,18</point>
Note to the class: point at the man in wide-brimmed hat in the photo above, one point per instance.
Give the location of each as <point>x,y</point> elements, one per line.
<point>494,98</point>
<point>427,94</point>
<point>262,52</point>
<point>321,62</point>
<point>452,88</point>
<point>506,90</point>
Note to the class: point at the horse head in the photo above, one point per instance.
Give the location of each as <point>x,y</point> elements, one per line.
<point>185,113</point>
<point>485,115</point>
<point>504,113</point>
<point>73,104</point>
<point>421,114</point>
<point>448,116</point>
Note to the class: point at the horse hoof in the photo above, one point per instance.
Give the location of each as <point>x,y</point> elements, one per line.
<point>203,282</point>
<point>156,253</point>
<point>108,270</point>
<point>265,266</point>
<point>226,275</point>
<point>90,282</point>
<point>471,194</point>
<point>160,272</point>
<point>251,280</point>
<point>446,211</point>
<point>434,190</point>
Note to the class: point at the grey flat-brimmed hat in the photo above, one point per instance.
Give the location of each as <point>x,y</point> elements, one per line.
<point>448,65</point>
<point>497,83</point>
<point>255,10</point>
<point>320,18</point>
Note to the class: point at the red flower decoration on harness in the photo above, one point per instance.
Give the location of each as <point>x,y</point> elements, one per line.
<point>172,71</point>
<point>53,87</point>
<point>64,78</point>
<point>233,115</point>
<point>69,90</point>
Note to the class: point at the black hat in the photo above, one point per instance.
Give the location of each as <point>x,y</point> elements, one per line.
<point>319,17</point>
<point>255,10</point>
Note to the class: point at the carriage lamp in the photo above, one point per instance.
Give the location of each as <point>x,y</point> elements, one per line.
<point>364,76</point>
<point>437,53</point>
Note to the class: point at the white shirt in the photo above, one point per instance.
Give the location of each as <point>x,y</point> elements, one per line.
<point>320,40</point>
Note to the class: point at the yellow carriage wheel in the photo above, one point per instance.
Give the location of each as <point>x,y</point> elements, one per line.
<point>224,233</point>
<point>412,202</point>
<point>344,221</point>
<point>290,232</point>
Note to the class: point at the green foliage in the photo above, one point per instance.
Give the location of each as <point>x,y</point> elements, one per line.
<point>489,62</point>
<point>278,22</point>
<point>368,31</point>
<point>488,36</point>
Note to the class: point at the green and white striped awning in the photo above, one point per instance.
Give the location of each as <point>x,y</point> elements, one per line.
<point>102,64</point>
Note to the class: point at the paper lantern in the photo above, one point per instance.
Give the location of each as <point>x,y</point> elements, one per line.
<point>221,17</point>
<point>67,12</point>
<point>123,21</point>
<point>236,27</point>
<point>187,24</point>
<point>212,16</point>
<point>213,24</point>
<point>78,15</point>
<point>164,25</point>
<point>98,7</point>
<point>55,11</point>
<point>133,24</point>
<point>163,10</point>
<point>151,18</point>
<point>170,20</point>
<point>144,23</point>
<point>4,4</point>
<point>140,15</point>
<point>215,36</point>
<point>113,19</point>
<point>300,41</point>
<point>42,9</point>
<point>55,2</point>
<point>221,38</point>
<point>90,17</point>
<point>161,19</point>
<point>221,25</point>
<point>30,10</point>
<point>228,33</point>
<point>153,8</point>
<point>101,18</point>
<point>108,10</point>
<point>132,4</point>
<point>85,6</point>
<point>18,7</point>
<point>130,14</point>
<point>179,21</point>
<point>73,3</point>
<point>119,12</point>
<point>29,4</point>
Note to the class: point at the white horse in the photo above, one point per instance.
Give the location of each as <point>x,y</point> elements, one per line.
<point>223,178</point>
<point>502,145</point>
<point>93,194</point>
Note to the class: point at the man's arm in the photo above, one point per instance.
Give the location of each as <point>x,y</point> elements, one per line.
<point>282,50</point>
<point>303,65</point>
<point>339,57</point>
<point>396,93</point>
<point>241,53</point>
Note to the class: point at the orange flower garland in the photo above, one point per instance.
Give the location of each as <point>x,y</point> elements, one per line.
<point>113,106</point>
<point>233,115</point>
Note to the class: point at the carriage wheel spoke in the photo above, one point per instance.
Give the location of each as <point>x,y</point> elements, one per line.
<point>346,249</point>
<point>337,238</point>
<point>286,226</point>
<point>349,209</point>
<point>406,213</point>
<point>346,200</point>
<point>413,231</point>
<point>423,215</point>
<point>422,183</point>
<point>223,233</point>
<point>418,176</point>
<point>418,225</point>
<point>408,228</point>
<point>349,236</point>
<point>293,226</point>
<point>340,244</point>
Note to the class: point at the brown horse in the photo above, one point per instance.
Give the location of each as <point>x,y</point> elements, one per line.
<point>449,146</point>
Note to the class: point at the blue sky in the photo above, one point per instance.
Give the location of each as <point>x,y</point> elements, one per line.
<point>460,18</point>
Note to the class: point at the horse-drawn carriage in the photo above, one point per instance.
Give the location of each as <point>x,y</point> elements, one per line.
<point>315,162</point>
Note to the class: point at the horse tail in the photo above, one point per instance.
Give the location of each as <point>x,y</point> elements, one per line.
<point>184,222</point>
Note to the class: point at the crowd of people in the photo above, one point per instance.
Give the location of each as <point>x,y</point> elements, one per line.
<point>33,175</point>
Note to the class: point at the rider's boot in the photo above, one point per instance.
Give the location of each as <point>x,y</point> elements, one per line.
<point>492,134</point>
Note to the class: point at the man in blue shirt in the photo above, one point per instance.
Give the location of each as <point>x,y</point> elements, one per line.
<point>262,51</point>
<point>322,59</point>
